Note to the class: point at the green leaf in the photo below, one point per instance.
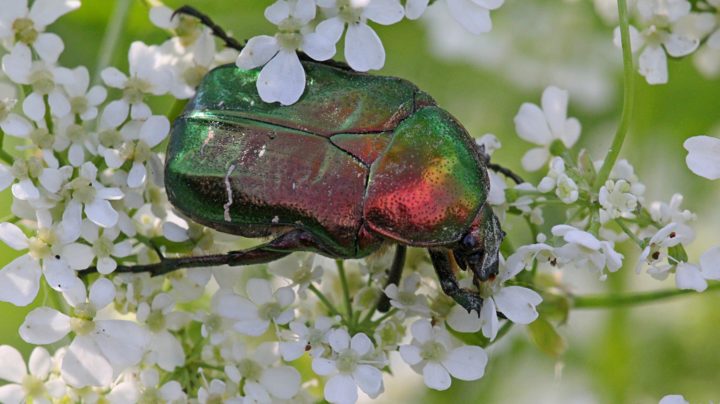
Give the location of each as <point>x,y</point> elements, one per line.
<point>544,335</point>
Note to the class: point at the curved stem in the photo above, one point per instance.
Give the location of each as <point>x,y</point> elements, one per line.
<point>112,36</point>
<point>631,299</point>
<point>345,288</point>
<point>628,98</point>
<point>324,300</point>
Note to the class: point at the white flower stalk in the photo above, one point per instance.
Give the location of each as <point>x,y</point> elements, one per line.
<point>264,380</point>
<point>39,384</point>
<point>254,315</point>
<point>406,298</point>
<point>433,354</point>
<point>583,250</point>
<point>41,76</point>
<point>282,78</point>
<point>363,49</point>
<point>703,156</point>
<point>545,126</point>
<point>21,27</point>
<point>662,34</point>
<point>101,349</point>
<point>144,79</point>
<point>351,364</point>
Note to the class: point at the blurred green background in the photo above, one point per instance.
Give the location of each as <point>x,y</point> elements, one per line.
<point>632,355</point>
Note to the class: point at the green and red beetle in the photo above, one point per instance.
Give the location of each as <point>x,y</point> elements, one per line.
<point>359,161</point>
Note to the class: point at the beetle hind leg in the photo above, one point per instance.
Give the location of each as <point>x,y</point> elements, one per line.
<point>393,277</point>
<point>468,299</point>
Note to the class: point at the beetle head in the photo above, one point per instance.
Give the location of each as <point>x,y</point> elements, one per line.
<point>479,248</point>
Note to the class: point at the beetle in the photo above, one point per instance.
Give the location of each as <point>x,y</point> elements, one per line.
<point>359,162</point>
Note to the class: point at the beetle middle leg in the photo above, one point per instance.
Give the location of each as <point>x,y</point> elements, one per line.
<point>394,277</point>
<point>468,299</point>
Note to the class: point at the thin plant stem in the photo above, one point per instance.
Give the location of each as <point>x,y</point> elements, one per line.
<point>111,38</point>
<point>345,288</point>
<point>324,300</point>
<point>628,99</point>
<point>611,300</point>
<point>629,232</point>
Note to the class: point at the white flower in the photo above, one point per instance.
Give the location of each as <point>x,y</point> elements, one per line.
<point>83,99</point>
<point>673,399</point>
<point>282,77</point>
<point>656,251</point>
<point>351,365</point>
<point>565,188</point>
<point>363,49</point>
<point>660,34</point>
<point>583,250</point>
<point>473,15</point>
<point>160,319</point>
<point>105,247</point>
<point>93,198</point>
<point>301,271</point>
<point>407,299</point>
<point>101,349</point>
<point>545,126</point>
<point>665,213</point>
<point>40,75</point>
<point>38,385</point>
<point>703,156</point>
<point>433,355</point>
<point>10,122</point>
<point>253,316</point>
<point>489,143</point>
<point>146,387</point>
<point>517,303</point>
<point>525,255</point>
<point>617,200</point>
<point>145,78</point>
<point>264,380</point>
<point>215,393</point>
<point>27,26</point>
<point>304,338</point>
<point>691,276</point>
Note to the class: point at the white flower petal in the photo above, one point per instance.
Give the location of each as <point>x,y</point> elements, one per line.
<point>154,130</point>
<point>161,16</point>
<point>678,45</point>
<point>122,342</point>
<point>466,362</point>
<point>361,344</point>
<point>332,29</point>
<point>102,293</point>
<point>363,49</point>
<point>410,354</point>
<point>385,12</point>
<point>518,303</point>
<point>258,51</point>
<point>12,394</point>
<point>282,382</point>
<point>101,212</point>
<point>34,107</point>
<point>137,175</point>
<point>40,363</point>
<point>25,190</point>
<point>369,379</point>
<point>115,113</point>
<point>318,47</point>
<point>49,46</point>
<point>462,321</point>
<point>471,16</point>
<point>253,327</point>
<point>323,367</point>
<point>45,12</point>
<point>534,159</point>
<point>11,235</point>
<point>16,125</point>
<point>688,276</point>
<point>341,389</point>
<point>114,77</point>
<point>489,320</point>
<point>259,291</point>
<point>710,263</point>
<point>554,105</point>
<point>20,280</point>
<point>84,364</point>
<point>422,330</point>
<point>13,364</point>
<point>44,326</point>
<point>653,65</point>
<point>531,125</point>
<point>277,12</point>
<point>169,350</point>
<point>415,8</point>
<point>282,79</point>
<point>703,156</point>
<point>78,256</point>
<point>436,377</point>
<point>339,339</point>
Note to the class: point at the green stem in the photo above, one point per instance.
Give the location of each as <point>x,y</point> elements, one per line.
<point>628,98</point>
<point>629,232</point>
<point>324,300</point>
<point>345,288</point>
<point>112,36</point>
<point>385,316</point>
<point>48,114</point>
<point>5,156</point>
<point>631,299</point>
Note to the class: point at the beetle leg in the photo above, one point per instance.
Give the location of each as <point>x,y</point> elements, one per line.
<point>217,30</point>
<point>394,277</point>
<point>466,298</point>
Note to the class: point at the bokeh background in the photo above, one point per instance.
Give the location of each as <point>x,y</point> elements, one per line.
<point>627,355</point>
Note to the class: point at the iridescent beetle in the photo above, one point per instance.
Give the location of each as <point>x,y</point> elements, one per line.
<point>359,161</point>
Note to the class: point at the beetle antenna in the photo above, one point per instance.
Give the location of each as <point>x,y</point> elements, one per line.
<point>233,43</point>
<point>217,30</point>
<point>505,171</point>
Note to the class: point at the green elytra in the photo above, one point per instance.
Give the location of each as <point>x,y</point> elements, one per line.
<point>355,150</point>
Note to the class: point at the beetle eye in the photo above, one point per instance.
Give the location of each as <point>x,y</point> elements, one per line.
<point>469,242</point>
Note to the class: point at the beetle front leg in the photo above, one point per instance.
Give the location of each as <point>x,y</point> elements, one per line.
<point>466,298</point>
<point>217,30</point>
